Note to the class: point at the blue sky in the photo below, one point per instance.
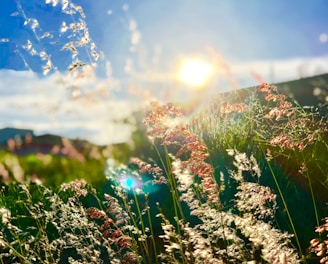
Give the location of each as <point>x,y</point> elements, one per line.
<point>140,42</point>
<point>238,30</point>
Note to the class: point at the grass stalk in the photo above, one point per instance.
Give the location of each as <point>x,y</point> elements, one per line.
<point>285,205</point>
<point>151,230</point>
<point>172,184</point>
<point>141,221</point>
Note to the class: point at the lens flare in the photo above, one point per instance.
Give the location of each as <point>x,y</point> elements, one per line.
<point>130,180</point>
<point>195,72</point>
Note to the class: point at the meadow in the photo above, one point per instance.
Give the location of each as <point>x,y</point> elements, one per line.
<point>243,179</point>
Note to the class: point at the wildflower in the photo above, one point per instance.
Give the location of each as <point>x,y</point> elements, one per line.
<point>5,215</point>
<point>275,113</point>
<point>54,2</point>
<point>64,4</point>
<point>95,213</point>
<point>230,152</point>
<point>310,137</point>
<point>267,88</point>
<point>129,258</point>
<point>34,23</point>
<point>274,97</point>
<point>47,67</point>
<point>27,20</point>
<point>161,124</point>
<point>203,252</point>
<point>76,65</point>
<point>79,9</point>
<point>108,222</point>
<point>144,167</point>
<point>95,55</point>
<point>273,242</point>
<point>184,178</point>
<point>63,27</point>
<point>43,55</point>
<point>28,46</point>
<point>243,163</point>
<point>229,108</point>
<point>303,168</point>
<point>301,146</point>
<point>257,199</point>
<point>283,105</point>
<point>47,35</point>
<point>320,247</point>
<point>114,209</point>
<point>77,186</point>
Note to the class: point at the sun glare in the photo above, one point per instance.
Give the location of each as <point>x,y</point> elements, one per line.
<point>195,72</point>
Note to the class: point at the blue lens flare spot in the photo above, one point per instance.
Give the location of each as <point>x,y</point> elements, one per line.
<point>129,183</point>
<point>132,183</point>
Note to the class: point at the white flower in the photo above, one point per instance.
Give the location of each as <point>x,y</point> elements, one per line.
<point>5,215</point>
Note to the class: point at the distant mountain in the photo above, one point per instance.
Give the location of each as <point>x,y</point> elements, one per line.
<point>24,142</point>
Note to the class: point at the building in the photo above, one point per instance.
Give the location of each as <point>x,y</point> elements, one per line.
<point>14,133</point>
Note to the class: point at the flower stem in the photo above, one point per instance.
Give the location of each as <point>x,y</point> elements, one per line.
<point>285,206</point>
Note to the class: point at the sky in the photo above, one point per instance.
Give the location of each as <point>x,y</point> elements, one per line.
<point>80,68</point>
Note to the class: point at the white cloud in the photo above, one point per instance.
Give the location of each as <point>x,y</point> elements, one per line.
<point>46,105</point>
<point>83,106</point>
<point>279,70</point>
<point>323,38</point>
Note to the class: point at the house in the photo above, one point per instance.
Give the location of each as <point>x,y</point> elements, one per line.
<point>14,133</point>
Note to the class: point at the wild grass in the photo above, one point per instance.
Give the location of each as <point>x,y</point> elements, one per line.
<point>216,193</point>
<point>244,181</point>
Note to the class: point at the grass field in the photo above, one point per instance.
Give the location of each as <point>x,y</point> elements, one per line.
<point>243,181</point>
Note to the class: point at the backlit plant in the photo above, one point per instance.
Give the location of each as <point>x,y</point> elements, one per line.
<point>221,186</point>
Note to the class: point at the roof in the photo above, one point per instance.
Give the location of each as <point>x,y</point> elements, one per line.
<point>10,132</point>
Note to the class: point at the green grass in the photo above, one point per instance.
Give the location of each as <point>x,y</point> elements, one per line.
<point>225,191</point>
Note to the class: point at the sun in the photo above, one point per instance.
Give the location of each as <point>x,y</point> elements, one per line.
<point>195,72</point>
